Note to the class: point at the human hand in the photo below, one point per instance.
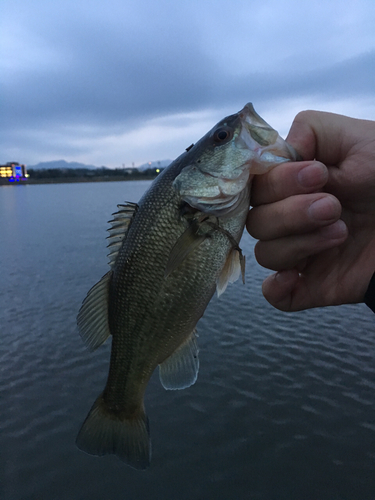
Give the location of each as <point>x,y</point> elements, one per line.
<point>316,221</point>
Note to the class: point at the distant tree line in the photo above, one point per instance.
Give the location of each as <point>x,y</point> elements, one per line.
<point>71,173</point>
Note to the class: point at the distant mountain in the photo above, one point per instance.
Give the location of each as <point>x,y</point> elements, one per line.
<point>59,164</point>
<point>154,164</point>
<point>73,164</point>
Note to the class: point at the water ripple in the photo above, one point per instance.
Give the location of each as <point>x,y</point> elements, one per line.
<point>284,405</point>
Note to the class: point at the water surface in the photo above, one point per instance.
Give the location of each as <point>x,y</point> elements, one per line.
<point>284,405</point>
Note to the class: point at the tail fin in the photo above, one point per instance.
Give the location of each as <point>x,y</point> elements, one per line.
<point>105,432</point>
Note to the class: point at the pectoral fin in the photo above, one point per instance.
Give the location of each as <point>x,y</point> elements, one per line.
<point>180,370</point>
<point>186,243</point>
<point>234,266</point>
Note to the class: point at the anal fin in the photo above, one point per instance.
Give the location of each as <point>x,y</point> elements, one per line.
<point>180,370</point>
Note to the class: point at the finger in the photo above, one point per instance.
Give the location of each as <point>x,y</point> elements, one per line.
<point>288,179</point>
<point>323,136</point>
<point>289,291</point>
<point>296,214</point>
<point>278,288</point>
<point>290,251</point>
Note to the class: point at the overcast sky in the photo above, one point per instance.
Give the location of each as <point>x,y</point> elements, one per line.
<point>119,81</point>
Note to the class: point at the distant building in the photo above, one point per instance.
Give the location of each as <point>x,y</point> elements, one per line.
<point>13,172</point>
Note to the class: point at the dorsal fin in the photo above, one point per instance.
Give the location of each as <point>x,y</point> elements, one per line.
<point>120,225</point>
<point>92,318</point>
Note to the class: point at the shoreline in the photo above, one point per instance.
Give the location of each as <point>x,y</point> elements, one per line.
<point>71,180</point>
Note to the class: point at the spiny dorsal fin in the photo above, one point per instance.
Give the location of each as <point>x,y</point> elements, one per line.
<point>120,225</point>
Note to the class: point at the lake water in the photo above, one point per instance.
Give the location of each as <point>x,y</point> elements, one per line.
<point>284,405</point>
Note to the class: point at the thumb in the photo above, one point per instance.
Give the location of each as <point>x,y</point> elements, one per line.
<point>326,137</point>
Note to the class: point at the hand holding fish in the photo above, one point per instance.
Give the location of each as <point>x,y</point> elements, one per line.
<point>316,221</point>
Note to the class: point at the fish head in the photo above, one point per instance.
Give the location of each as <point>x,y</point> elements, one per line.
<point>217,171</point>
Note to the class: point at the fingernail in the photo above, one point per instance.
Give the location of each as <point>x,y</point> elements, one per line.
<point>335,231</point>
<point>325,209</point>
<point>314,175</point>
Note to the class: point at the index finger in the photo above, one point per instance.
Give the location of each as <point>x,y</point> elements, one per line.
<point>288,179</point>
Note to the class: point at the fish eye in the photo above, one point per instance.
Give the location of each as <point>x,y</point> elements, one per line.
<point>222,134</point>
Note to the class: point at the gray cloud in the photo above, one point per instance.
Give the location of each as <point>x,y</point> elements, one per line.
<point>112,66</point>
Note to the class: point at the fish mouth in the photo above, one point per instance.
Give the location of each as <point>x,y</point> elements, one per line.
<point>268,147</point>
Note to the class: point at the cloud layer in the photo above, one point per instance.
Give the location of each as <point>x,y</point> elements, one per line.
<point>122,81</point>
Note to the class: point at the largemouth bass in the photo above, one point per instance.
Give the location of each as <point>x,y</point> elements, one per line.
<point>168,254</point>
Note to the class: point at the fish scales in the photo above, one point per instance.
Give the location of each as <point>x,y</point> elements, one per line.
<point>178,245</point>
<point>158,309</point>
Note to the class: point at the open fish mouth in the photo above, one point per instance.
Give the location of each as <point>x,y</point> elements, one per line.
<point>268,147</point>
